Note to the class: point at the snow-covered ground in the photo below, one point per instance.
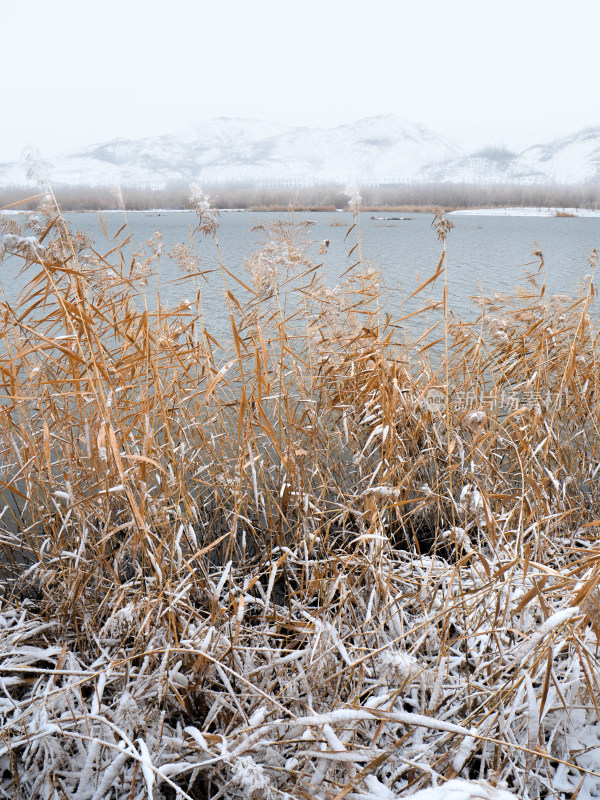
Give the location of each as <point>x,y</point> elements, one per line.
<point>459,789</point>
<point>526,212</point>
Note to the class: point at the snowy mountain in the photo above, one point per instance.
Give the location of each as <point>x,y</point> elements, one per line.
<point>569,160</point>
<point>371,151</point>
<point>221,151</point>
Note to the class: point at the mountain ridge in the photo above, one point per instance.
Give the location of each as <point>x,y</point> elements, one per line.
<point>380,150</point>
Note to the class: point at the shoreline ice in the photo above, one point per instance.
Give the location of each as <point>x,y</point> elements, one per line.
<point>526,211</point>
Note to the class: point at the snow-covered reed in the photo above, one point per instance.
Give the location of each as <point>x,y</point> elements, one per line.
<point>326,565</point>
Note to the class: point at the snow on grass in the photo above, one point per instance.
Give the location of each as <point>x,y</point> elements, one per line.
<point>517,211</point>
<point>284,574</point>
<point>458,789</point>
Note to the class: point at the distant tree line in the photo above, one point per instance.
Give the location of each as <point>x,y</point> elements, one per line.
<point>388,197</point>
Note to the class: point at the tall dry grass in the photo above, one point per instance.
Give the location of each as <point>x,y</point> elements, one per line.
<point>331,566</point>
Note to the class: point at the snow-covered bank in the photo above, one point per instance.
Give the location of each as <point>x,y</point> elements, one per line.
<point>527,212</point>
<point>459,789</point>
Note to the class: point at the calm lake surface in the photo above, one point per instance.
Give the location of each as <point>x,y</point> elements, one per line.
<point>486,249</point>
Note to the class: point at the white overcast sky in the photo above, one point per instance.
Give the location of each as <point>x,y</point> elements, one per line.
<point>504,72</point>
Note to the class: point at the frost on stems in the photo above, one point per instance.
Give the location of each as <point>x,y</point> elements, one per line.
<point>207,215</point>
<point>354,199</point>
<point>251,778</point>
<point>28,247</point>
<point>155,243</point>
<point>141,273</point>
<point>187,261</point>
<point>283,253</point>
<point>9,225</point>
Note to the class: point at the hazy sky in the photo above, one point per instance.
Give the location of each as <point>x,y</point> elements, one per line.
<point>509,72</point>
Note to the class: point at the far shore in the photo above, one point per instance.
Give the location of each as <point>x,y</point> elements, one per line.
<point>488,210</point>
<point>381,199</point>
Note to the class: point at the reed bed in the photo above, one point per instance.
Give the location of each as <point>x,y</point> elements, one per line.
<point>339,562</point>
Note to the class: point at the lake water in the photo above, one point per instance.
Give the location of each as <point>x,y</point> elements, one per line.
<point>486,249</point>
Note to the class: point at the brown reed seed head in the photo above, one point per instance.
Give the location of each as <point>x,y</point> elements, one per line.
<point>441,224</point>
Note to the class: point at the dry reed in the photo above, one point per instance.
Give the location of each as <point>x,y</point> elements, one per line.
<point>325,568</point>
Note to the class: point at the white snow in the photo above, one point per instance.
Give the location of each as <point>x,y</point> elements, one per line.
<point>525,212</point>
<point>220,151</point>
<point>375,150</point>
<point>459,789</point>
